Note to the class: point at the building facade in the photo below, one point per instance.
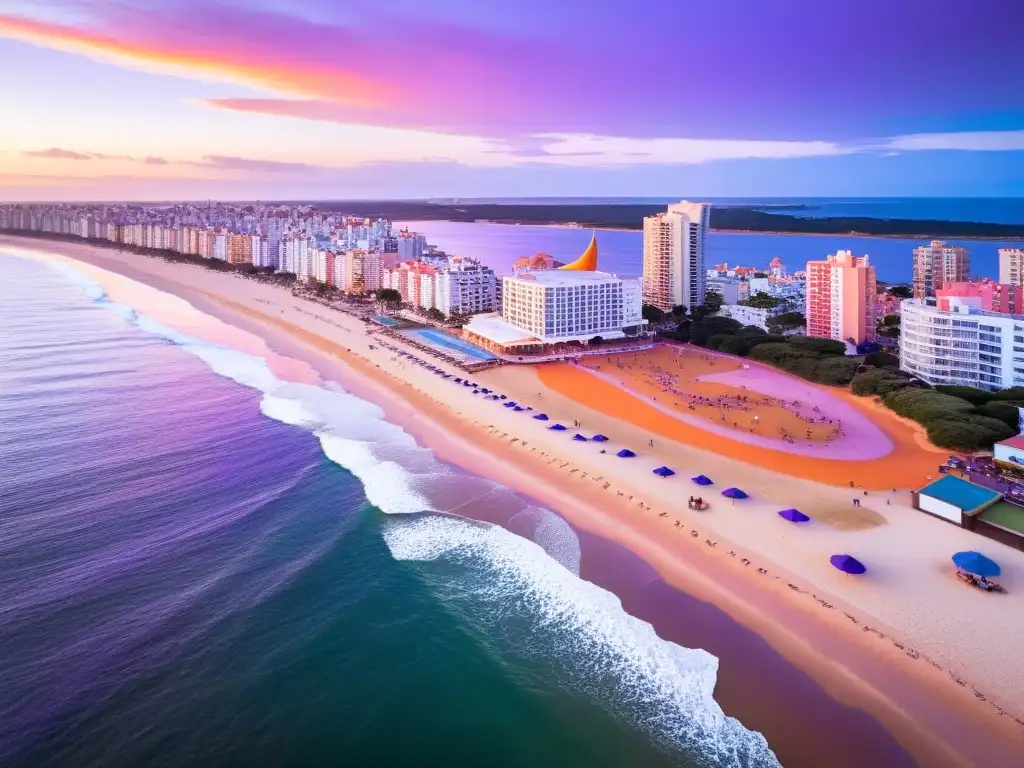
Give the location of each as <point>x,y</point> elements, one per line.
<point>466,291</point>
<point>840,298</point>
<point>731,291</point>
<point>961,345</point>
<point>986,295</point>
<point>937,265</point>
<point>1010,262</point>
<point>673,270</point>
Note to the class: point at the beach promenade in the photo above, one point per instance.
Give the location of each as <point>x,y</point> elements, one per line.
<point>932,659</point>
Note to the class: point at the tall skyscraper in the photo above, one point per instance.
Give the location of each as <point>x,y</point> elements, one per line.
<point>938,264</point>
<point>840,300</point>
<point>674,256</point>
<point>1010,262</point>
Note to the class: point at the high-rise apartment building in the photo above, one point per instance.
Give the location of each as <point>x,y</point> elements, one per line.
<point>674,256</point>
<point>465,290</point>
<point>1011,261</point>
<point>358,271</point>
<point>840,298</point>
<point>986,295</point>
<point>411,245</point>
<point>938,264</point>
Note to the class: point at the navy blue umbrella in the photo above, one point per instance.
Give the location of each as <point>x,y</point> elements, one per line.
<point>793,515</point>
<point>976,563</point>
<point>734,493</point>
<point>599,439</point>
<point>580,437</point>
<point>541,417</point>
<point>625,453</point>
<point>509,404</point>
<point>557,427</point>
<point>847,564</point>
<point>664,472</point>
<point>503,397</point>
<point>702,480</point>
<point>518,408</point>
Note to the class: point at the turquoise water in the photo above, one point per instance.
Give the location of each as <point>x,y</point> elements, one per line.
<point>388,321</point>
<point>446,340</point>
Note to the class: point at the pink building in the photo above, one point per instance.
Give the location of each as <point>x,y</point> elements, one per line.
<point>987,295</point>
<point>841,296</point>
<point>407,280</point>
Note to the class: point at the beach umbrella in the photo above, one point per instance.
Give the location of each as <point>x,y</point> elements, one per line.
<point>503,397</point>
<point>484,389</point>
<point>541,417</point>
<point>976,563</point>
<point>557,427</point>
<point>664,472</point>
<point>847,564</point>
<point>625,453</point>
<point>519,408</point>
<point>466,384</point>
<point>734,493</point>
<point>599,439</point>
<point>509,404</point>
<point>580,437</point>
<point>702,480</point>
<point>476,391</point>
<point>458,380</point>
<point>793,515</point>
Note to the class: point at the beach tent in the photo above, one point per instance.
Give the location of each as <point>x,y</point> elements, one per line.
<point>599,439</point>
<point>557,427</point>
<point>793,515</point>
<point>541,417</point>
<point>702,480</point>
<point>734,493</point>
<point>625,453</point>
<point>664,472</point>
<point>976,563</point>
<point>519,408</point>
<point>847,564</point>
<point>579,437</point>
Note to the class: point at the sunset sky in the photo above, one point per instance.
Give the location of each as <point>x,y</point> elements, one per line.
<point>175,99</point>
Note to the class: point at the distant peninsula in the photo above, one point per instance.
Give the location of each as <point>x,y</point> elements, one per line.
<point>735,218</point>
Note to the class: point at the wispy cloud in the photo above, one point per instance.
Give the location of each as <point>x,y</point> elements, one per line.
<point>246,164</point>
<point>968,141</point>
<point>56,153</point>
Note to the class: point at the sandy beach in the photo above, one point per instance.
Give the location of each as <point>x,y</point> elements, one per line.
<point>931,659</point>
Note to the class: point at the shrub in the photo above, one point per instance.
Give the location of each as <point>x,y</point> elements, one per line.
<point>1013,393</point>
<point>971,434</point>
<point>717,325</point>
<point>823,347</point>
<point>732,345</point>
<point>1005,412</point>
<point>923,405</point>
<point>970,394</point>
<point>867,383</point>
<point>836,371</point>
<point>882,359</point>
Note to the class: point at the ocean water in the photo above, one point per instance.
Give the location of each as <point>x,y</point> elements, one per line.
<point>203,564</point>
<point>499,245</point>
<point>989,210</point>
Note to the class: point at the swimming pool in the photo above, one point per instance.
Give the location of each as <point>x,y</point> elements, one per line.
<point>446,340</point>
<point>389,322</point>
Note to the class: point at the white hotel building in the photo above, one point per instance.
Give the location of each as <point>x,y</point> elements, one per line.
<point>965,345</point>
<point>551,306</point>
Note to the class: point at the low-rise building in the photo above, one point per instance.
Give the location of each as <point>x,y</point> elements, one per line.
<point>731,291</point>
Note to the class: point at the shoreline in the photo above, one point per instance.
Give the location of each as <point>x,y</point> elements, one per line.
<point>858,667</point>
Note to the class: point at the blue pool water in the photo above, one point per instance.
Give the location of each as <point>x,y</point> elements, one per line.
<point>446,340</point>
<point>389,322</point>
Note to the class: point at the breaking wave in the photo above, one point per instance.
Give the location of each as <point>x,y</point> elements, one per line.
<point>531,573</point>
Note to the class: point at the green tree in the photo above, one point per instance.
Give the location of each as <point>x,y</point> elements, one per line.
<point>713,302</point>
<point>970,394</point>
<point>389,296</point>
<point>679,311</point>
<point>882,359</point>
<point>823,347</point>
<point>762,300</point>
<point>972,434</point>
<point>732,345</point>
<point>786,321</point>
<point>900,291</point>
<point>1005,412</point>
<point>651,313</point>
<point>435,314</point>
<point>889,327</point>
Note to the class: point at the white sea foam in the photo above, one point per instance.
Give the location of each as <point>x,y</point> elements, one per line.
<point>668,689</point>
<point>664,686</point>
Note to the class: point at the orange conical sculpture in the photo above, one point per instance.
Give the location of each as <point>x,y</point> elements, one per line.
<point>588,261</point>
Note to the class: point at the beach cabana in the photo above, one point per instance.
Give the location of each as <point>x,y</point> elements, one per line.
<point>702,480</point>
<point>579,437</point>
<point>847,564</point>
<point>664,472</point>
<point>625,453</point>
<point>599,439</point>
<point>793,515</point>
<point>976,563</point>
<point>541,417</point>
<point>734,493</point>
<point>557,427</point>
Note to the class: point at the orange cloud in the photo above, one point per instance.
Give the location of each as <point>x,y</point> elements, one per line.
<point>247,67</point>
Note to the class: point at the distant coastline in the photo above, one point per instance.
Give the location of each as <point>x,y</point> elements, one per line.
<point>725,218</point>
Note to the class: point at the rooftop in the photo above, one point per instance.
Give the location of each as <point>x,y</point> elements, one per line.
<point>960,493</point>
<point>1005,514</point>
<point>1017,441</point>
<point>493,328</point>
<point>557,277</point>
